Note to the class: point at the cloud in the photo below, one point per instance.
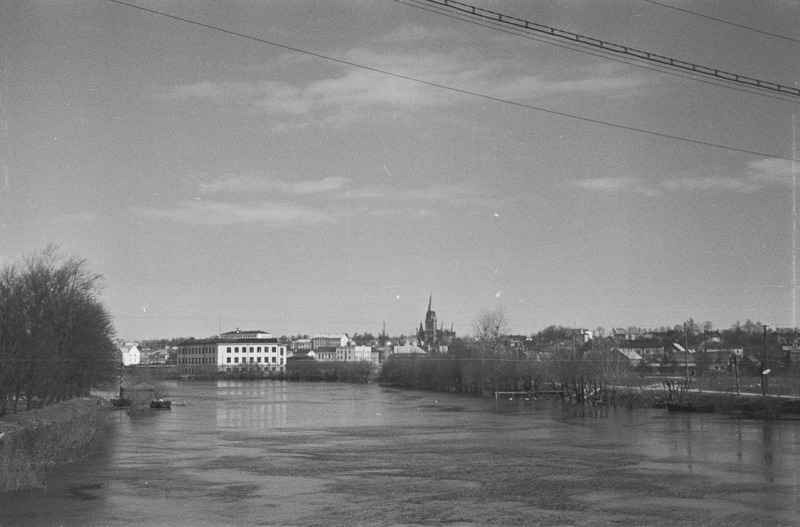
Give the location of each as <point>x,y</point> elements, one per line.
<point>770,170</point>
<point>75,218</point>
<point>616,185</point>
<point>355,94</point>
<point>250,199</point>
<point>220,213</point>
<point>254,184</point>
<point>755,176</point>
<point>710,183</point>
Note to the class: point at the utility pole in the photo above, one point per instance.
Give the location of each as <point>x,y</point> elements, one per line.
<point>686,353</point>
<point>764,364</point>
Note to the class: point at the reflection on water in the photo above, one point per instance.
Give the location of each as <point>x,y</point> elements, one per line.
<point>280,453</point>
<point>261,405</point>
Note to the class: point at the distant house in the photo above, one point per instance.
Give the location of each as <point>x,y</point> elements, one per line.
<point>130,354</point>
<point>301,344</point>
<point>353,353</point>
<point>681,355</point>
<point>630,355</point>
<point>329,340</point>
<point>303,355</point>
<point>325,353</point>
<point>159,356</point>
<point>408,348</point>
<point>648,350</point>
<point>719,359</point>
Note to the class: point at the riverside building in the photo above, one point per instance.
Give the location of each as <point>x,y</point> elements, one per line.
<point>243,352</point>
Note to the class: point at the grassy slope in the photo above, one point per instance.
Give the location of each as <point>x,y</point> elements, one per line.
<point>33,441</point>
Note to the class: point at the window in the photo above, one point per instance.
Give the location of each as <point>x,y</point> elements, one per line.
<point>236,349</point>
<point>251,349</point>
<point>282,350</point>
<point>259,349</point>
<point>252,359</point>
<point>229,349</point>
<point>273,349</point>
<point>273,359</point>
<point>259,359</point>
<point>236,360</point>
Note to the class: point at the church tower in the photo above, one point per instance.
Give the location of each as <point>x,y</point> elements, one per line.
<point>431,340</point>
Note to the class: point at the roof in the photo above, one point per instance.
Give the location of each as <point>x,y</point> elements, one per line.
<point>238,331</point>
<point>408,348</point>
<point>629,354</point>
<point>228,342</point>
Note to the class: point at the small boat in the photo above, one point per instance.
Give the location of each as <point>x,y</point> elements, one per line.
<point>689,408</point>
<point>161,404</point>
<point>120,402</point>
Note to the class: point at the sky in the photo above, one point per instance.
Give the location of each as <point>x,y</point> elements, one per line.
<point>328,166</point>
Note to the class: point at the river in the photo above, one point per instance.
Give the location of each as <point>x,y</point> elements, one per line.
<point>316,454</point>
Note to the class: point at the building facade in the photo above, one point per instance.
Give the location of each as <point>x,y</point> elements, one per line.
<point>130,354</point>
<point>329,340</point>
<point>220,355</point>
<point>354,353</point>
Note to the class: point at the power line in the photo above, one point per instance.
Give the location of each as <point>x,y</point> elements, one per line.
<point>456,90</point>
<point>477,12</point>
<point>742,26</point>
<point>419,4</point>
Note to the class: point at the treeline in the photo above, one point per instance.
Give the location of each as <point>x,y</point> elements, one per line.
<point>329,371</point>
<point>476,370</point>
<point>56,338</point>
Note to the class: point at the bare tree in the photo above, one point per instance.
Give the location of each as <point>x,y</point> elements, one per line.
<point>489,327</point>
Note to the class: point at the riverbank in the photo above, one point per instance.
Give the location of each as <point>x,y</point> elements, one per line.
<point>33,441</point>
<point>748,406</point>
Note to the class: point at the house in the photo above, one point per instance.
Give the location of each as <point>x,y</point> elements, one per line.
<point>408,348</point>
<point>681,356</point>
<point>130,355</point>
<point>353,353</point>
<point>325,353</point>
<point>719,359</point>
<point>630,355</point>
<point>329,340</point>
<point>301,344</point>
<point>303,355</point>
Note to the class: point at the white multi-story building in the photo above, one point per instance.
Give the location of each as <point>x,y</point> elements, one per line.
<point>231,354</point>
<point>329,340</point>
<point>354,353</point>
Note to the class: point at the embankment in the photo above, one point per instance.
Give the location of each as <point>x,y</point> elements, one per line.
<point>33,441</point>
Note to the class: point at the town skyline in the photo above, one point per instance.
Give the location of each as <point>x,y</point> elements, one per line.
<point>332,165</point>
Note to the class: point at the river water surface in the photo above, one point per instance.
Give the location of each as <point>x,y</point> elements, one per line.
<point>297,454</point>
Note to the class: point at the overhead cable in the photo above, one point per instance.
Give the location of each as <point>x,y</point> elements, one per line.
<point>568,36</point>
<point>453,89</point>
<point>742,26</point>
<point>630,61</point>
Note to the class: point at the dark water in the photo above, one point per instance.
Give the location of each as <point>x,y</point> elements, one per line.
<point>275,453</point>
